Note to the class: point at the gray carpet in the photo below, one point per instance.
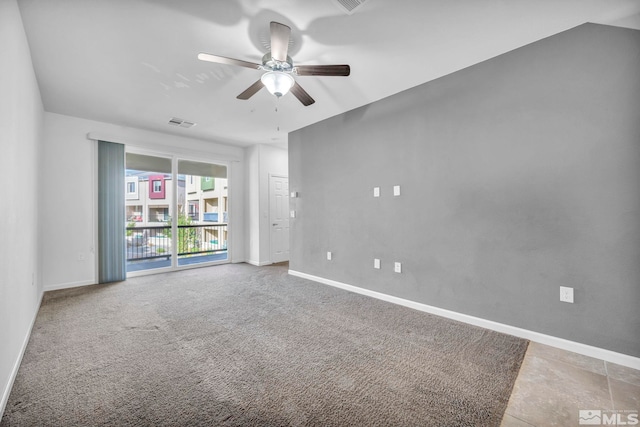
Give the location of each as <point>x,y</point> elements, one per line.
<point>237,345</point>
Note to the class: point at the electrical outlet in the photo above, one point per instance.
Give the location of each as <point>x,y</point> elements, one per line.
<point>566,294</point>
<point>397,267</point>
<point>396,190</point>
<point>292,214</point>
<point>329,255</point>
<point>376,191</point>
<point>376,263</point>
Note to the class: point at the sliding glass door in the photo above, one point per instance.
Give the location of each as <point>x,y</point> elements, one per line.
<point>202,220</point>
<point>149,202</point>
<point>176,212</point>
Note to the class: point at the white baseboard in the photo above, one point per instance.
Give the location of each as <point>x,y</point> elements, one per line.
<point>584,349</point>
<point>16,366</point>
<point>258,264</point>
<point>68,285</point>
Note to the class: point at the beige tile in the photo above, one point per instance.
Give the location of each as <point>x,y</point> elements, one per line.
<point>511,421</point>
<point>550,393</point>
<point>622,373</point>
<point>625,396</point>
<point>585,362</point>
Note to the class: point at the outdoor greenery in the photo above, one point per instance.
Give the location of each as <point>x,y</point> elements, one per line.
<point>130,225</point>
<point>187,237</point>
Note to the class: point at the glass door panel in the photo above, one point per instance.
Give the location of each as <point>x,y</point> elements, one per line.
<point>202,217</point>
<point>150,201</point>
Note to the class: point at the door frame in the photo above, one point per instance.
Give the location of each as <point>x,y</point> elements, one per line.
<point>175,157</point>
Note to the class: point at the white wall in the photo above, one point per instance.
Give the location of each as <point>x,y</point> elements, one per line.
<point>21,114</point>
<point>263,161</point>
<point>68,224</point>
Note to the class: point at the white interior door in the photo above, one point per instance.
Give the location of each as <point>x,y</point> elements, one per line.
<point>279,217</point>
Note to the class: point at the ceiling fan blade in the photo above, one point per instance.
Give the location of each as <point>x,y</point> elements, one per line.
<point>323,70</point>
<point>280,35</point>
<point>251,90</point>
<point>302,95</point>
<point>228,61</point>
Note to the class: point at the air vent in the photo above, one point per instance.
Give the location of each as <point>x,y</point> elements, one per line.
<point>174,121</point>
<point>349,6</point>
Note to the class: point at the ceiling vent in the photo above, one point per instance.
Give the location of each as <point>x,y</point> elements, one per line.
<point>174,121</point>
<point>349,6</point>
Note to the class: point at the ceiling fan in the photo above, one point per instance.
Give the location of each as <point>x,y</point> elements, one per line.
<point>279,68</point>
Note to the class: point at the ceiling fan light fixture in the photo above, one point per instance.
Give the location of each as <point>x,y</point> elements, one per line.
<point>277,82</point>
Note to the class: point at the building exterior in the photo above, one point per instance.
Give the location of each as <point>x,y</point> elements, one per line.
<point>207,199</point>
<point>202,204</point>
<point>150,198</point>
<point>207,202</point>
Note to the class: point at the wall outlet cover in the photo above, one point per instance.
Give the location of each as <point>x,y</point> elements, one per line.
<point>376,191</point>
<point>566,294</point>
<point>396,190</point>
<point>376,263</point>
<point>397,267</point>
<point>329,255</point>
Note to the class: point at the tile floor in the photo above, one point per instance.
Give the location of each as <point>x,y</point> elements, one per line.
<point>553,385</point>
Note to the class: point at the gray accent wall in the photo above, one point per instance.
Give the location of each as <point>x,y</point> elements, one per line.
<point>518,175</point>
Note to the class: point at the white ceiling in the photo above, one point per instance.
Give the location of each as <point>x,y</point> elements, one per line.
<point>133,62</point>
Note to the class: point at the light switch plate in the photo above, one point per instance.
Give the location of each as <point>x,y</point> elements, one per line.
<point>376,263</point>
<point>566,294</point>
<point>376,191</point>
<point>293,214</point>
<point>329,255</point>
<point>397,267</point>
<point>396,190</point>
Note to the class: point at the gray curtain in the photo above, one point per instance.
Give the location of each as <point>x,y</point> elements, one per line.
<point>111,212</point>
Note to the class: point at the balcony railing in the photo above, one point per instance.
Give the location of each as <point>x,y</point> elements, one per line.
<point>202,238</point>
<point>156,242</point>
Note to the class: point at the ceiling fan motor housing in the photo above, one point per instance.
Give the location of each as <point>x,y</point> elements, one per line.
<point>271,64</point>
